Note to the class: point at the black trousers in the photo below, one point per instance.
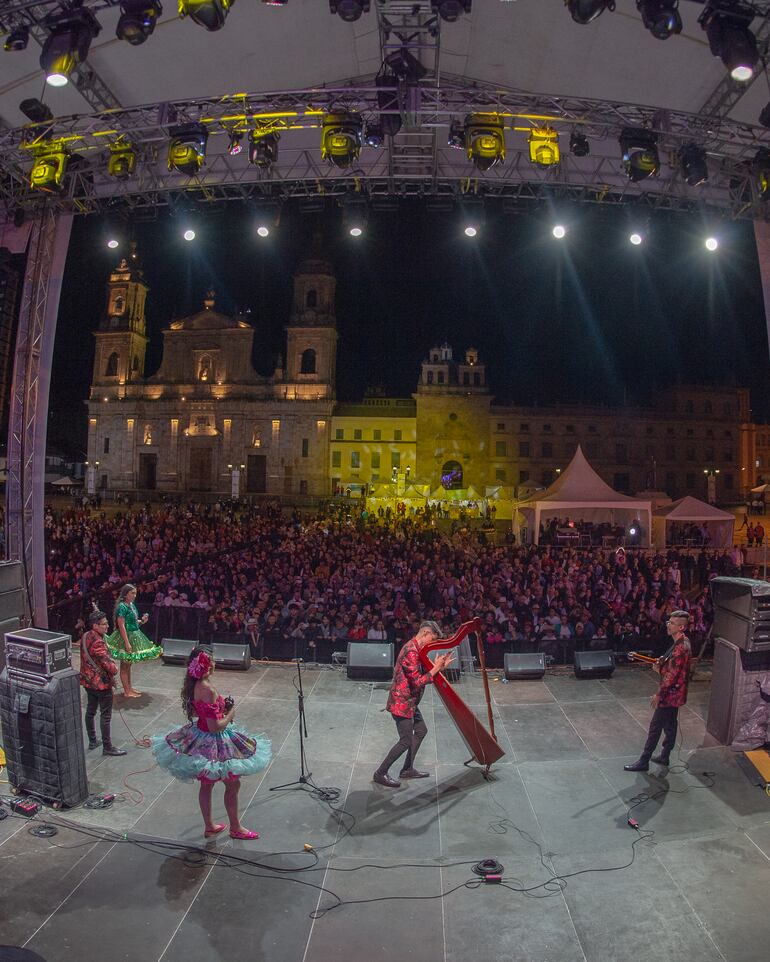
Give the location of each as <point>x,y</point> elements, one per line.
<point>663,720</point>
<point>103,701</point>
<point>411,732</point>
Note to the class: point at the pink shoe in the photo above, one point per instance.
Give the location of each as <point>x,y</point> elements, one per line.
<point>214,830</point>
<point>244,834</point>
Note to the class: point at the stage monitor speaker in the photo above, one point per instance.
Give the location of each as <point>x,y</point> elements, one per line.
<point>176,651</point>
<point>370,660</point>
<point>524,665</point>
<point>742,612</point>
<point>594,664</point>
<point>43,737</point>
<point>735,693</point>
<point>232,656</point>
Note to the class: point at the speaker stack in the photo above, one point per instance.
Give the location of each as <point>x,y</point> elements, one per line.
<point>370,660</point>
<point>741,653</point>
<point>41,718</point>
<point>594,664</point>
<point>12,604</point>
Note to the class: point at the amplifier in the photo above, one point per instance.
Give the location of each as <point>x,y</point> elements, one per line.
<point>742,612</point>
<point>33,652</point>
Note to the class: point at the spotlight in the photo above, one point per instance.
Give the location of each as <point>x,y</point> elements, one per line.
<point>187,148</point>
<point>730,39</point>
<point>210,14</point>
<point>189,235</point>
<point>661,17</point>
<point>375,135</point>
<point>113,244</point>
<point>761,169</point>
<point>484,137</point>
<point>584,11</point>
<point>470,231</point>
<point>355,213</point>
<point>692,163</point>
<point>544,146</point>
<point>450,10</point>
<point>711,243</point>
<point>235,146</point>
<point>349,10</point>
<point>67,45</point>
<point>263,231</point>
<point>35,110</point>
<point>341,138</point>
<point>636,239</point>
<point>640,153</point>
<point>559,231</point>
<point>49,167</point>
<point>137,20</point>
<point>122,162</point>
<point>578,144</point>
<point>263,149</point>
<point>17,39</point>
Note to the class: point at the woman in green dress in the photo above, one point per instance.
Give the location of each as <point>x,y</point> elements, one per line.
<point>128,643</point>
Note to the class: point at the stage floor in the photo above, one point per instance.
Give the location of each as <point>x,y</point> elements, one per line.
<point>698,890</point>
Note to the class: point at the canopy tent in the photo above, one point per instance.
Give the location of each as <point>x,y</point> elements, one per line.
<point>455,494</point>
<point>580,494</point>
<point>718,524</point>
<point>761,489</point>
<point>67,482</point>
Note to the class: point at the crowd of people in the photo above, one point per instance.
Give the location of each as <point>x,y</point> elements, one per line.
<point>293,584</point>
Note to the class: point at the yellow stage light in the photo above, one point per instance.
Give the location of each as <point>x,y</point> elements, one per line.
<point>544,146</point>
<point>187,148</point>
<point>210,14</point>
<point>341,138</point>
<point>484,140</point>
<point>49,167</point>
<point>122,162</point>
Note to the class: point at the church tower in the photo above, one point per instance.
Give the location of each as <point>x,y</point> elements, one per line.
<point>121,339</point>
<point>311,334</point>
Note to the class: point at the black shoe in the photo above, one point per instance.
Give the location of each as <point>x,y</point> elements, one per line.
<point>111,750</point>
<point>639,766</point>
<point>385,780</point>
<point>413,773</point>
<point>660,760</point>
<point>93,743</point>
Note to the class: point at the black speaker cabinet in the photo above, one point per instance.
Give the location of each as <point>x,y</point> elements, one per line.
<point>176,651</point>
<point>742,612</point>
<point>594,664</point>
<point>524,665</point>
<point>370,660</point>
<point>232,656</point>
<point>735,693</point>
<point>43,737</point>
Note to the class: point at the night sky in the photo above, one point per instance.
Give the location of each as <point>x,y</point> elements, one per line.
<point>589,318</point>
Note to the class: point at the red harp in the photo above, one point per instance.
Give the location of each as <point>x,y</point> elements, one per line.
<point>481,744</point>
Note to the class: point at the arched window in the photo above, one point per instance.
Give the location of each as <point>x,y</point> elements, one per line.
<point>311,299</point>
<point>112,365</point>
<point>135,364</point>
<point>430,377</point>
<point>119,304</point>
<point>307,364</point>
<point>451,475</point>
<point>205,371</point>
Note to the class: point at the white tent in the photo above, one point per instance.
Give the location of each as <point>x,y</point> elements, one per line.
<point>580,494</point>
<point>719,524</point>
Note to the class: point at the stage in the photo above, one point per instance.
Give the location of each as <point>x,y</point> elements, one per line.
<point>696,890</point>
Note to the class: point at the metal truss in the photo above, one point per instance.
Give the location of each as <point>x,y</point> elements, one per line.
<point>88,83</point>
<point>418,160</point>
<point>46,254</point>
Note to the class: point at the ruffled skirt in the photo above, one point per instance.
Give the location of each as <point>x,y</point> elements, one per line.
<point>142,649</point>
<point>188,753</point>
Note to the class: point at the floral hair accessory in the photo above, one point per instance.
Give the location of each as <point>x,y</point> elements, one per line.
<point>200,665</point>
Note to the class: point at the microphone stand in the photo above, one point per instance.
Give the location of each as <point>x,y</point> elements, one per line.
<point>304,776</point>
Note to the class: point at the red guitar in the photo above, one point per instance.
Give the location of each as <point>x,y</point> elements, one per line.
<point>481,744</point>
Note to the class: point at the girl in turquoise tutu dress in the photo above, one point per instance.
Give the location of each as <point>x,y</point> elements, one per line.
<point>212,749</point>
<point>128,643</point>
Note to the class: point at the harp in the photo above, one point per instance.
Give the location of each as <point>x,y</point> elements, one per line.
<point>481,744</point>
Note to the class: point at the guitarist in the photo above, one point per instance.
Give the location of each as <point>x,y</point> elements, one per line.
<point>674,671</point>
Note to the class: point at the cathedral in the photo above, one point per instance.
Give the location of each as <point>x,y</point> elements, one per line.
<point>206,423</point>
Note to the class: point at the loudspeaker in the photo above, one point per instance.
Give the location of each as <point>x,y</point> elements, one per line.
<point>176,651</point>
<point>742,612</point>
<point>43,737</point>
<point>232,656</point>
<point>370,660</point>
<point>11,575</point>
<point>734,688</point>
<point>594,664</point>
<point>524,665</point>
